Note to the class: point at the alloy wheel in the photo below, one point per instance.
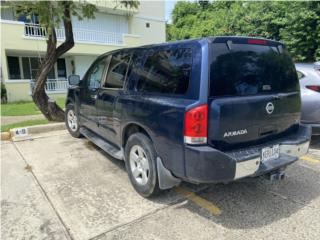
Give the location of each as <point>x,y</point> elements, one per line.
<point>139,164</point>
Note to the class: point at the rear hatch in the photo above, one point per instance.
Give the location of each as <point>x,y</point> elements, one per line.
<point>254,92</point>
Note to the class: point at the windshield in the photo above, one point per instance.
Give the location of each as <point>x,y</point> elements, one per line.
<point>248,69</point>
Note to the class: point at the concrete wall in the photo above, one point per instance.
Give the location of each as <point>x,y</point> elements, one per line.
<point>154,34</point>
<point>152,12</point>
<point>103,22</point>
<point>82,64</point>
<point>18,91</point>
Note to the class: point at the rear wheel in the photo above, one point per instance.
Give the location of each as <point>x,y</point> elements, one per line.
<point>140,158</point>
<point>72,121</point>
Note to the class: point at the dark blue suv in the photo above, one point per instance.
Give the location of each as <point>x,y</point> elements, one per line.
<point>209,110</point>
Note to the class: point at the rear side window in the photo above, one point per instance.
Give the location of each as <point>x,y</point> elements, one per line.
<point>117,70</point>
<point>166,71</point>
<point>247,69</point>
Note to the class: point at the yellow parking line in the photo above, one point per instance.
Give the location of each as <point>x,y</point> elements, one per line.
<point>209,206</point>
<point>310,159</point>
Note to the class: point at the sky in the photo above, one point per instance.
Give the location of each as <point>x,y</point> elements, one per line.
<point>169,7</point>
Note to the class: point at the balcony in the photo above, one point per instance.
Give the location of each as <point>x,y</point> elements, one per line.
<point>80,35</point>
<point>17,35</point>
<point>53,85</point>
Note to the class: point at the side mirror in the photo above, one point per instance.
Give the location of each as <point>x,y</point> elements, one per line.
<point>74,80</point>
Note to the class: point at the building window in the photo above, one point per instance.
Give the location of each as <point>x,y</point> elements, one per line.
<point>147,25</point>
<point>30,67</point>
<point>34,66</point>
<point>14,68</point>
<point>61,66</point>
<point>26,68</point>
<point>34,18</point>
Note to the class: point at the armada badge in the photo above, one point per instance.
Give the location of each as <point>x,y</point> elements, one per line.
<point>235,133</point>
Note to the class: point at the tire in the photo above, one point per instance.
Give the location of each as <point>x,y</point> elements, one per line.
<point>72,121</point>
<point>143,177</point>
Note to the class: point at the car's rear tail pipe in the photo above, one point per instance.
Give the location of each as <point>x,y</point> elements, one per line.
<point>276,176</point>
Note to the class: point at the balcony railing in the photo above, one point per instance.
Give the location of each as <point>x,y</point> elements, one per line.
<point>32,30</point>
<point>80,35</point>
<point>53,85</point>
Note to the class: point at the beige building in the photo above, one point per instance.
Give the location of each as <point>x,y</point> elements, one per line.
<point>23,44</point>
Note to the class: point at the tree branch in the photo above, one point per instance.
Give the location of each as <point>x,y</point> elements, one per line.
<point>68,29</point>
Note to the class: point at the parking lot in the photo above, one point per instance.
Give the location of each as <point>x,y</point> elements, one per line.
<point>58,187</point>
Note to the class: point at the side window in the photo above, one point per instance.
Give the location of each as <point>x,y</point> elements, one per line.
<point>134,71</point>
<point>96,73</point>
<point>166,71</point>
<point>117,70</point>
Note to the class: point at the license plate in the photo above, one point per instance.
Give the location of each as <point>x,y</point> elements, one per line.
<point>269,153</point>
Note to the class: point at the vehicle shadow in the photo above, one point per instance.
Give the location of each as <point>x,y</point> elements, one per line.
<point>166,197</point>
<point>315,142</point>
<point>249,203</point>
<point>253,204</point>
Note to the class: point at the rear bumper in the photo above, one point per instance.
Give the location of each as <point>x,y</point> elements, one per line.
<point>205,164</point>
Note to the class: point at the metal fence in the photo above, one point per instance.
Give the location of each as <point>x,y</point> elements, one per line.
<point>53,85</point>
<point>80,35</point>
<point>34,30</point>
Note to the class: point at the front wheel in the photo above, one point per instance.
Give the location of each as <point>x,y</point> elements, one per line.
<point>140,158</point>
<point>72,121</point>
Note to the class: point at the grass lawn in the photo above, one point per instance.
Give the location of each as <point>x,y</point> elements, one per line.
<point>24,108</point>
<point>6,128</point>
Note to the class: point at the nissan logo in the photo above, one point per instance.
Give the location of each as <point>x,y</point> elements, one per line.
<point>269,107</point>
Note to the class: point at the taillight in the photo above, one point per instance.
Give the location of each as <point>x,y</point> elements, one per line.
<point>314,88</point>
<point>196,125</point>
<point>257,41</point>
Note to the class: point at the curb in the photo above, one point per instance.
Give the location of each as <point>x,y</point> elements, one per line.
<point>5,136</point>
<point>18,134</point>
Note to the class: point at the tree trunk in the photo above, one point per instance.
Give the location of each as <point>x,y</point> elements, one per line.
<point>47,106</point>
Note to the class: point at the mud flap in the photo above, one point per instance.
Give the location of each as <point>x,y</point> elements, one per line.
<point>166,179</point>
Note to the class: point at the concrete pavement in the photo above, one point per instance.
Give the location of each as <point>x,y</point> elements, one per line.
<point>26,212</point>
<point>72,190</point>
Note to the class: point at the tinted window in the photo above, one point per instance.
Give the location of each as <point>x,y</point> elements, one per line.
<point>14,68</point>
<point>117,70</point>
<point>96,73</point>
<point>166,71</point>
<point>135,71</point>
<point>250,69</point>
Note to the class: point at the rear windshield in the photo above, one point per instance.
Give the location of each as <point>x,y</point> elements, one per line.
<point>247,69</point>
